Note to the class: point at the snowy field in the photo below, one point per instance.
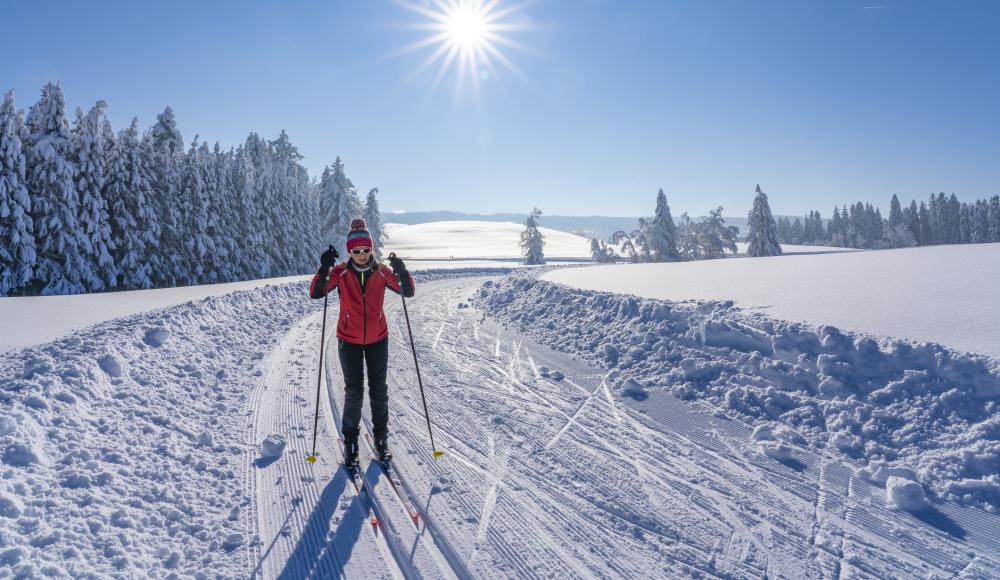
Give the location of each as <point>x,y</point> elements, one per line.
<point>173,442</point>
<point>790,249</point>
<point>35,319</point>
<point>477,240</point>
<point>944,294</point>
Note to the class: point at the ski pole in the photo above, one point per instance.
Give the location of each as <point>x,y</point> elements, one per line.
<point>416,365</point>
<point>319,379</point>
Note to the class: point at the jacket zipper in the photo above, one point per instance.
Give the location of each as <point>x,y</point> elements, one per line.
<point>364,306</point>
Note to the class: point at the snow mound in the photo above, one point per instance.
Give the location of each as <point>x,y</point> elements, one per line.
<point>110,365</point>
<point>904,494</point>
<point>155,337</point>
<point>10,506</point>
<point>105,473</point>
<point>272,446</point>
<point>762,433</point>
<point>778,451</point>
<point>898,405</point>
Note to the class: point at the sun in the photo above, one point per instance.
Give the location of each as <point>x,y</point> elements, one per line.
<point>467,27</point>
<point>465,36</point>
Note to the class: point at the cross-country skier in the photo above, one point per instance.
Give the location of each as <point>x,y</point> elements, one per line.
<point>362,332</point>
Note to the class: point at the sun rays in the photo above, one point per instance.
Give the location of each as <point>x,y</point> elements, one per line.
<point>467,37</point>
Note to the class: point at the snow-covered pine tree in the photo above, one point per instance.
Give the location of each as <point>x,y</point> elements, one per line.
<point>62,266</point>
<point>895,211</point>
<point>246,236</point>
<point>291,182</point>
<point>256,149</point>
<point>221,198</point>
<point>339,204</point>
<point>663,233</point>
<point>89,156</point>
<point>965,224</point>
<point>994,218</point>
<point>198,243</point>
<point>17,231</point>
<point>836,230</point>
<point>980,233</point>
<point>601,252</point>
<point>532,240</point>
<point>795,232</point>
<point>926,237</point>
<point>134,227</point>
<point>784,228</point>
<point>762,236</point>
<point>715,237</point>
<point>165,154</point>
<point>912,215</point>
<point>373,217</point>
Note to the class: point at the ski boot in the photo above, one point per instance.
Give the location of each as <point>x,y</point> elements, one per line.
<point>382,452</point>
<point>351,453</point>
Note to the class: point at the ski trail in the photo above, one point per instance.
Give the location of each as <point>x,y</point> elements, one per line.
<point>659,488</point>
<point>610,400</point>
<point>489,504</point>
<point>437,337</point>
<point>534,367</point>
<point>413,546</point>
<point>297,503</point>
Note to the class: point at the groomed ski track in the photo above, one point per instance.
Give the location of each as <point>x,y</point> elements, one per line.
<point>560,479</point>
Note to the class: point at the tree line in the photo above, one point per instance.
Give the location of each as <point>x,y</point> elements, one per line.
<point>85,209</point>
<point>660,239</point>
<point>940,220</point>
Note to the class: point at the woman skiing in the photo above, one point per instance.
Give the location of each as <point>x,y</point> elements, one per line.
<point>362,331</point>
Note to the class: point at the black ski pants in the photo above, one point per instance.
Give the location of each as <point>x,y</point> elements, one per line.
<point>353,357</point>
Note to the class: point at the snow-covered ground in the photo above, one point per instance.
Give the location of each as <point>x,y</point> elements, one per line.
<point>174,442</point>
<point>944,294</point>
<point>477,240</point>
<point>791,249</point>
<point>35,319</point>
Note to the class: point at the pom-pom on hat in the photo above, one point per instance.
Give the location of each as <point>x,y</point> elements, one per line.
<point>359,236</point>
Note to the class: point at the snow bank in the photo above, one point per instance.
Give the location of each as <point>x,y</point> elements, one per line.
<point>38,319</point>
<point>894,403</point>
<point>123,444</point>
<point>942,294</point>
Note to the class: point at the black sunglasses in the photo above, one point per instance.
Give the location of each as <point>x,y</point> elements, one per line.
<point>359,251</point>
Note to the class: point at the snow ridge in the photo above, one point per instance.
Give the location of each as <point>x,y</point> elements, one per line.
<point>917,409</point>
<point>123,444</point>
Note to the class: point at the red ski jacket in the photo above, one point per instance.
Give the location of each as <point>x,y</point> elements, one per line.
<point>362,320</point>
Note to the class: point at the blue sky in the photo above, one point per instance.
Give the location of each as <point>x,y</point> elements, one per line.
<point>821,103</point>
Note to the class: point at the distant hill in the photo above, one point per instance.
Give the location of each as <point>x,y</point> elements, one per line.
<point>587,226</point>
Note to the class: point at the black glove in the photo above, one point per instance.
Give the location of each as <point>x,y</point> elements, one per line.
<point>329,258</point>
<point>398,267</point>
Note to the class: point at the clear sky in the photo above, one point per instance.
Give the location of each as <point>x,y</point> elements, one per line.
<point>821,103</point>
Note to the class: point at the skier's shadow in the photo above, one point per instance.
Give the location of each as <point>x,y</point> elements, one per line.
<point>317,552</point>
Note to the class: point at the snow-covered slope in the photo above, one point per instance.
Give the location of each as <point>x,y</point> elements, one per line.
<point>944,294</point>
<point>471,239</point>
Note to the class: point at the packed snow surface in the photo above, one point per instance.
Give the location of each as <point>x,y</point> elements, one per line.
<point>944,294</point>
<point>473,239</point>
